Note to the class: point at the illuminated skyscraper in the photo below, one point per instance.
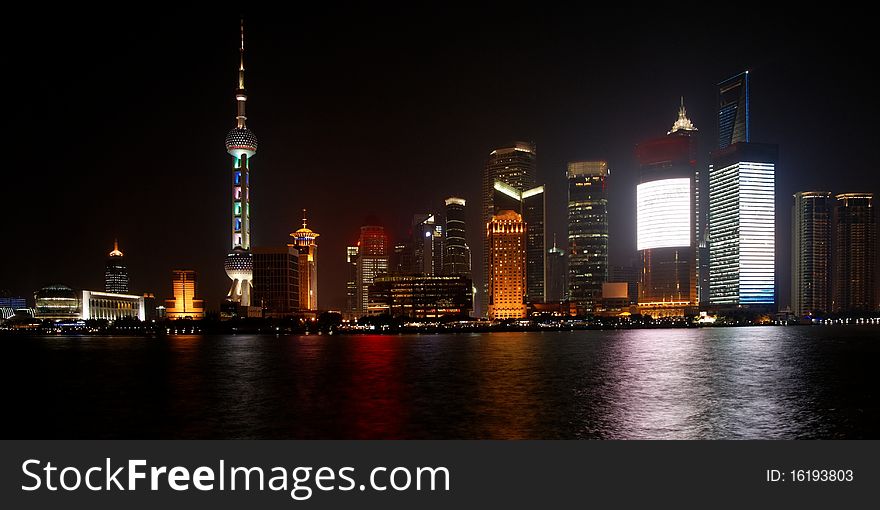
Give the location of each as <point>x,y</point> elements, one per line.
<point>811,227</point>
<point>304,241</point>
<point>587,233</point>
<point>184,305</point>
<point>531,204</point>
<point>241,144</point>
<point>515,168</point>
<point>666,214</point>
<point>116,272</point>
<point>372,262</point>
<point>457,258</point>
<point>351,295</point>
<point>506,235</point>
<point>742,225</point>
<point>855,253</point>
<point>733,110</point>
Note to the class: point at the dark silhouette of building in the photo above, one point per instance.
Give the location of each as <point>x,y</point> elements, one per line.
<point>557,274</point>
<point>116,272</point>
<point>811,227</point>
<point>457,258</point>
<point>277,280</point>
<point>422,296</point>
<point>733,110</point>
<point>855,253</point>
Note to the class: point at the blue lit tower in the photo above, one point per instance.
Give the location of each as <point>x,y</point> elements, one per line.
<point>241,143</point>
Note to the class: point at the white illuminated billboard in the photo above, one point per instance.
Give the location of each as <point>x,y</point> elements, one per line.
<point>664,214</point>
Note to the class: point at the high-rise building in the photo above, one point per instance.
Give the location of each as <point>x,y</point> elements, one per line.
<point>422,296</point>
<point>666,217</point>
<point>351,295</point>
<point>587,233</point>
<point>277,280</point>
<point>457,258</point>
<point>116,272</point>
<point>733,110</point>
<point>531,204</point>
<point>426,243</point>
<point>557,274</point>
<point>184,305</point>
<point>742,225</point>
<point>241,144</point>
<point>855,253</point>
<point>304,240</point>
<point>506,233</point>
<point>372,262</point>
<point>515,168</point>
<point>811,228</point>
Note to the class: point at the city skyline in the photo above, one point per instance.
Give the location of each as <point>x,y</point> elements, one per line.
<point>187,247</point>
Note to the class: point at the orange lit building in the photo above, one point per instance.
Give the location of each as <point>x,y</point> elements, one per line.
<point>506,235</point>
<point>304,241</point>
<point>184,305</point>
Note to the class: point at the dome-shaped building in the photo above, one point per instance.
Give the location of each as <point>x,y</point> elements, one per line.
<point>57,302</point>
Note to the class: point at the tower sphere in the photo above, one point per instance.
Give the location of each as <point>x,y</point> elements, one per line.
<point>241,140</point>
<point>239,265</point>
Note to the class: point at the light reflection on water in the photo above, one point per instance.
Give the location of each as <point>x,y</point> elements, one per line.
<point>767,382</point>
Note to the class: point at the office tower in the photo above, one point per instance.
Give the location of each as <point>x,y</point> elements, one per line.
<point>515,168</point>
<point>116,272</point>
<point>351,300</point>
<point>855,253</point>
<point>457,258</point>
<point>587,233</point>
<point>112,306</point>
<point>531,204</point>
<point>184,305</point>
<point>304,240</point>
<point>666,221</point>
<point>422,296</point>
<point>742,225</point>
<point>426,243</point>
<point>506,235</point>
<point>733,110</point>
<point>811,227</point>
<point>241,144</point>
<point>372,262</point>
<point>56,302</point>
<point>277,280</point>
<point>557,274</point>
<point>627,274</point>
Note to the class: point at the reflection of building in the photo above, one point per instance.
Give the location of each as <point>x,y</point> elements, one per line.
<point>457,258</point>
<point>184,305</point>
<point>421,297</point>
<point>116,273</point>
<point>514,167</point>
<point>241,144</point>
<point>351,295</point>
<point>111,306</point>
<point>733,110</point>
<point>557,274</point>
<point>277,280</point>
<point>304,241</point>
<point>742,225</point>
<point>587,233</point>
<point>507,266</point>
<point>372,262</point>
<point>57,302</point>
<point>855,252</point>
<point>811,227</point>
<point>666,231</point>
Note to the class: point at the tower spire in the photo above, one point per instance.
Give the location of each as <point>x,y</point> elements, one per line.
<point>241,59</point>
<point>304,218</point>
<point>683,123</point>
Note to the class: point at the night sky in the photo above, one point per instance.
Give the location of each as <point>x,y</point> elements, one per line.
<point>118,123</point>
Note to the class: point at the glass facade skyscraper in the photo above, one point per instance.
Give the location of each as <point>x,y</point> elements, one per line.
<point>733,110</point>
<point>457,256</point>
<point>372,261</point>
<point>116,272</point>
<point>277,280</point>
<point>811,227</point>
<point>855,253</point>
<point>742,225</point>
<point>587,233</point>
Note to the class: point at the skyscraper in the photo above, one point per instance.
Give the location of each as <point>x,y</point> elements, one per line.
<point>277,280</point>
<point>116,272</point>
<point>855,253</point>
<point>426,244</point>
<point>666,217</point>
<point>351,295</point>
<point>457,259</point>
<point>742,225</point>
<point>304,240</point>
<point>587,233</point>
<point>241,144</point>
<point>372,262</point>
<point>515,168</point>
<point>733,110</point>
<point>534,208</point>
<point>184,305</point>
<point>506,235</point>
<point>811,227</point>
<point>557,274</point>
